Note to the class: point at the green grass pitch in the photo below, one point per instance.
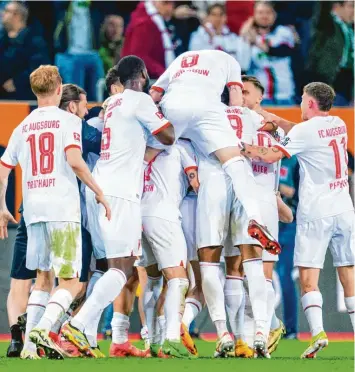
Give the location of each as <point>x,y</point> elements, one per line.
<point>339,356</point>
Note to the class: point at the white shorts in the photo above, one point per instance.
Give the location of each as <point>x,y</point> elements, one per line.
<point>55,245</point>
<point>215,197</point>
<point>121,236</point>
<point>163,243</point>
<point>206,125</point>
<point>188,210</point>
<point>93,211</point>
<point>238,231</point>
<point>313,239</point>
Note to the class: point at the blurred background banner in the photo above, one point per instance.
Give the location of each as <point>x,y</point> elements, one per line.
<point>14,113</point>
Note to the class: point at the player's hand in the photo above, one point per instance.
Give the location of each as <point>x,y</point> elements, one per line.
<point>193,180</point>
<point>5,218</point>
<point>100,199</point>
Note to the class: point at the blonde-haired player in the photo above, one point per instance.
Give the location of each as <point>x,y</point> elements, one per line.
<point>47,144</point>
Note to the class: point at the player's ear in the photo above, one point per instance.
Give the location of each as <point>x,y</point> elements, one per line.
<point>72,107</point>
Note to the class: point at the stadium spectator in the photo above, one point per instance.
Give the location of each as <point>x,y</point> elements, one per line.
<point>331,54</point>
<point>111,40</point>
<point>289,180</point>
<point>151,35</point>
<point>272,48</point>
<point>21,51</point>
<point>215,34</point>
<point>237,13</point>
<point>76,45</point>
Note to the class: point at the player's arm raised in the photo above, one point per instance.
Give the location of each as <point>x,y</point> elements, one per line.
<point>234,82</point>
<point>265,154</point>
<point>82,171</point>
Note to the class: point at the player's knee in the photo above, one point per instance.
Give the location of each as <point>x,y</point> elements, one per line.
<point>20,286</point>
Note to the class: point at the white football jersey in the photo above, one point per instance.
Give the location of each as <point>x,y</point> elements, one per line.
<point>49,185</point>
<point>245,123</point>
<point>265,174</point>
<point>129,117</point>
<point>321,148</point>
<point>200,74</point>
<point>165,182</point>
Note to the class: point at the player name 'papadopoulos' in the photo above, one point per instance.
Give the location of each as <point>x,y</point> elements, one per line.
<point>39,125</point>
<point>332,132</point>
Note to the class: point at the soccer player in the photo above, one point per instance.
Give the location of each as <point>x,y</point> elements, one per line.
<point>119,171</point>
<point>205,73</point>
<point>164,246</point>
<point>325,214</point>
<point>47,144</point>
<point>74,101</point>
<point>266,176</point>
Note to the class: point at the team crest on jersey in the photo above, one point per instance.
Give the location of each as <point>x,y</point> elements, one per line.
<point>76,137</point>
<point>160,115</point>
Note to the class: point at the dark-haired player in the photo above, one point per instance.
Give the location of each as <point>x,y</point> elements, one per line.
<point>130,113</point>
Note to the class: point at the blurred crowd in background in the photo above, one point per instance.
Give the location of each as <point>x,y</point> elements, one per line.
<point>285,44</point>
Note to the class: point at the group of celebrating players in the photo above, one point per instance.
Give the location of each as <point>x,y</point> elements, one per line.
<point>187,172</point>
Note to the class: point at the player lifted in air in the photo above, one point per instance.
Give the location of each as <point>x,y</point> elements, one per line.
<point>47,144</point>
<point>325,214</point>
<point>193,85</point>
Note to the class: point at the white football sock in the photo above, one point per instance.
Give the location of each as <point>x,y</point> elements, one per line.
<point>350,306</point>
<point>150,297</point>
<point>174,307</point>
<point>233,294</point>
<point>213,290</point>
<point>249,324</point>
<point>107,288</point>
<point>244,186</point>
<point>94,278</point>
<point>270,304</point>
<point>58,324</point>
<point>91,331</point>
<point>192,308</point>
<point>275,322</point>
<point>57,306</point>
<point>254,272</point>
<point>240,319</point>
<point>120,327</point>
<point>36,306</point>
<point>162,329</point>
<point>312,303</point>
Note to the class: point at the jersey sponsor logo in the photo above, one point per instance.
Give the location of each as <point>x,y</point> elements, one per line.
<point>76,137</point>
<point>160,115</point>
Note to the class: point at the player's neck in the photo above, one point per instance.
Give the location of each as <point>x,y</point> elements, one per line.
<point>317,114</point>
<point>47,102</point>
<point>133,85</point>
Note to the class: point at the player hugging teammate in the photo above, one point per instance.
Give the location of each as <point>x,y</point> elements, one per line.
<point>195,179</point>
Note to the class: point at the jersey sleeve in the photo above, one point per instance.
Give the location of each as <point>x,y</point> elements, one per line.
<point>72,134</point>
<point>234,73</point>
<point>188,158</point>
<point>161,85</point>
<point>10,157</point>
<point>295,141</point>
<point>149,115</point>
<point>257,120</point>
<point>279,146</point>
